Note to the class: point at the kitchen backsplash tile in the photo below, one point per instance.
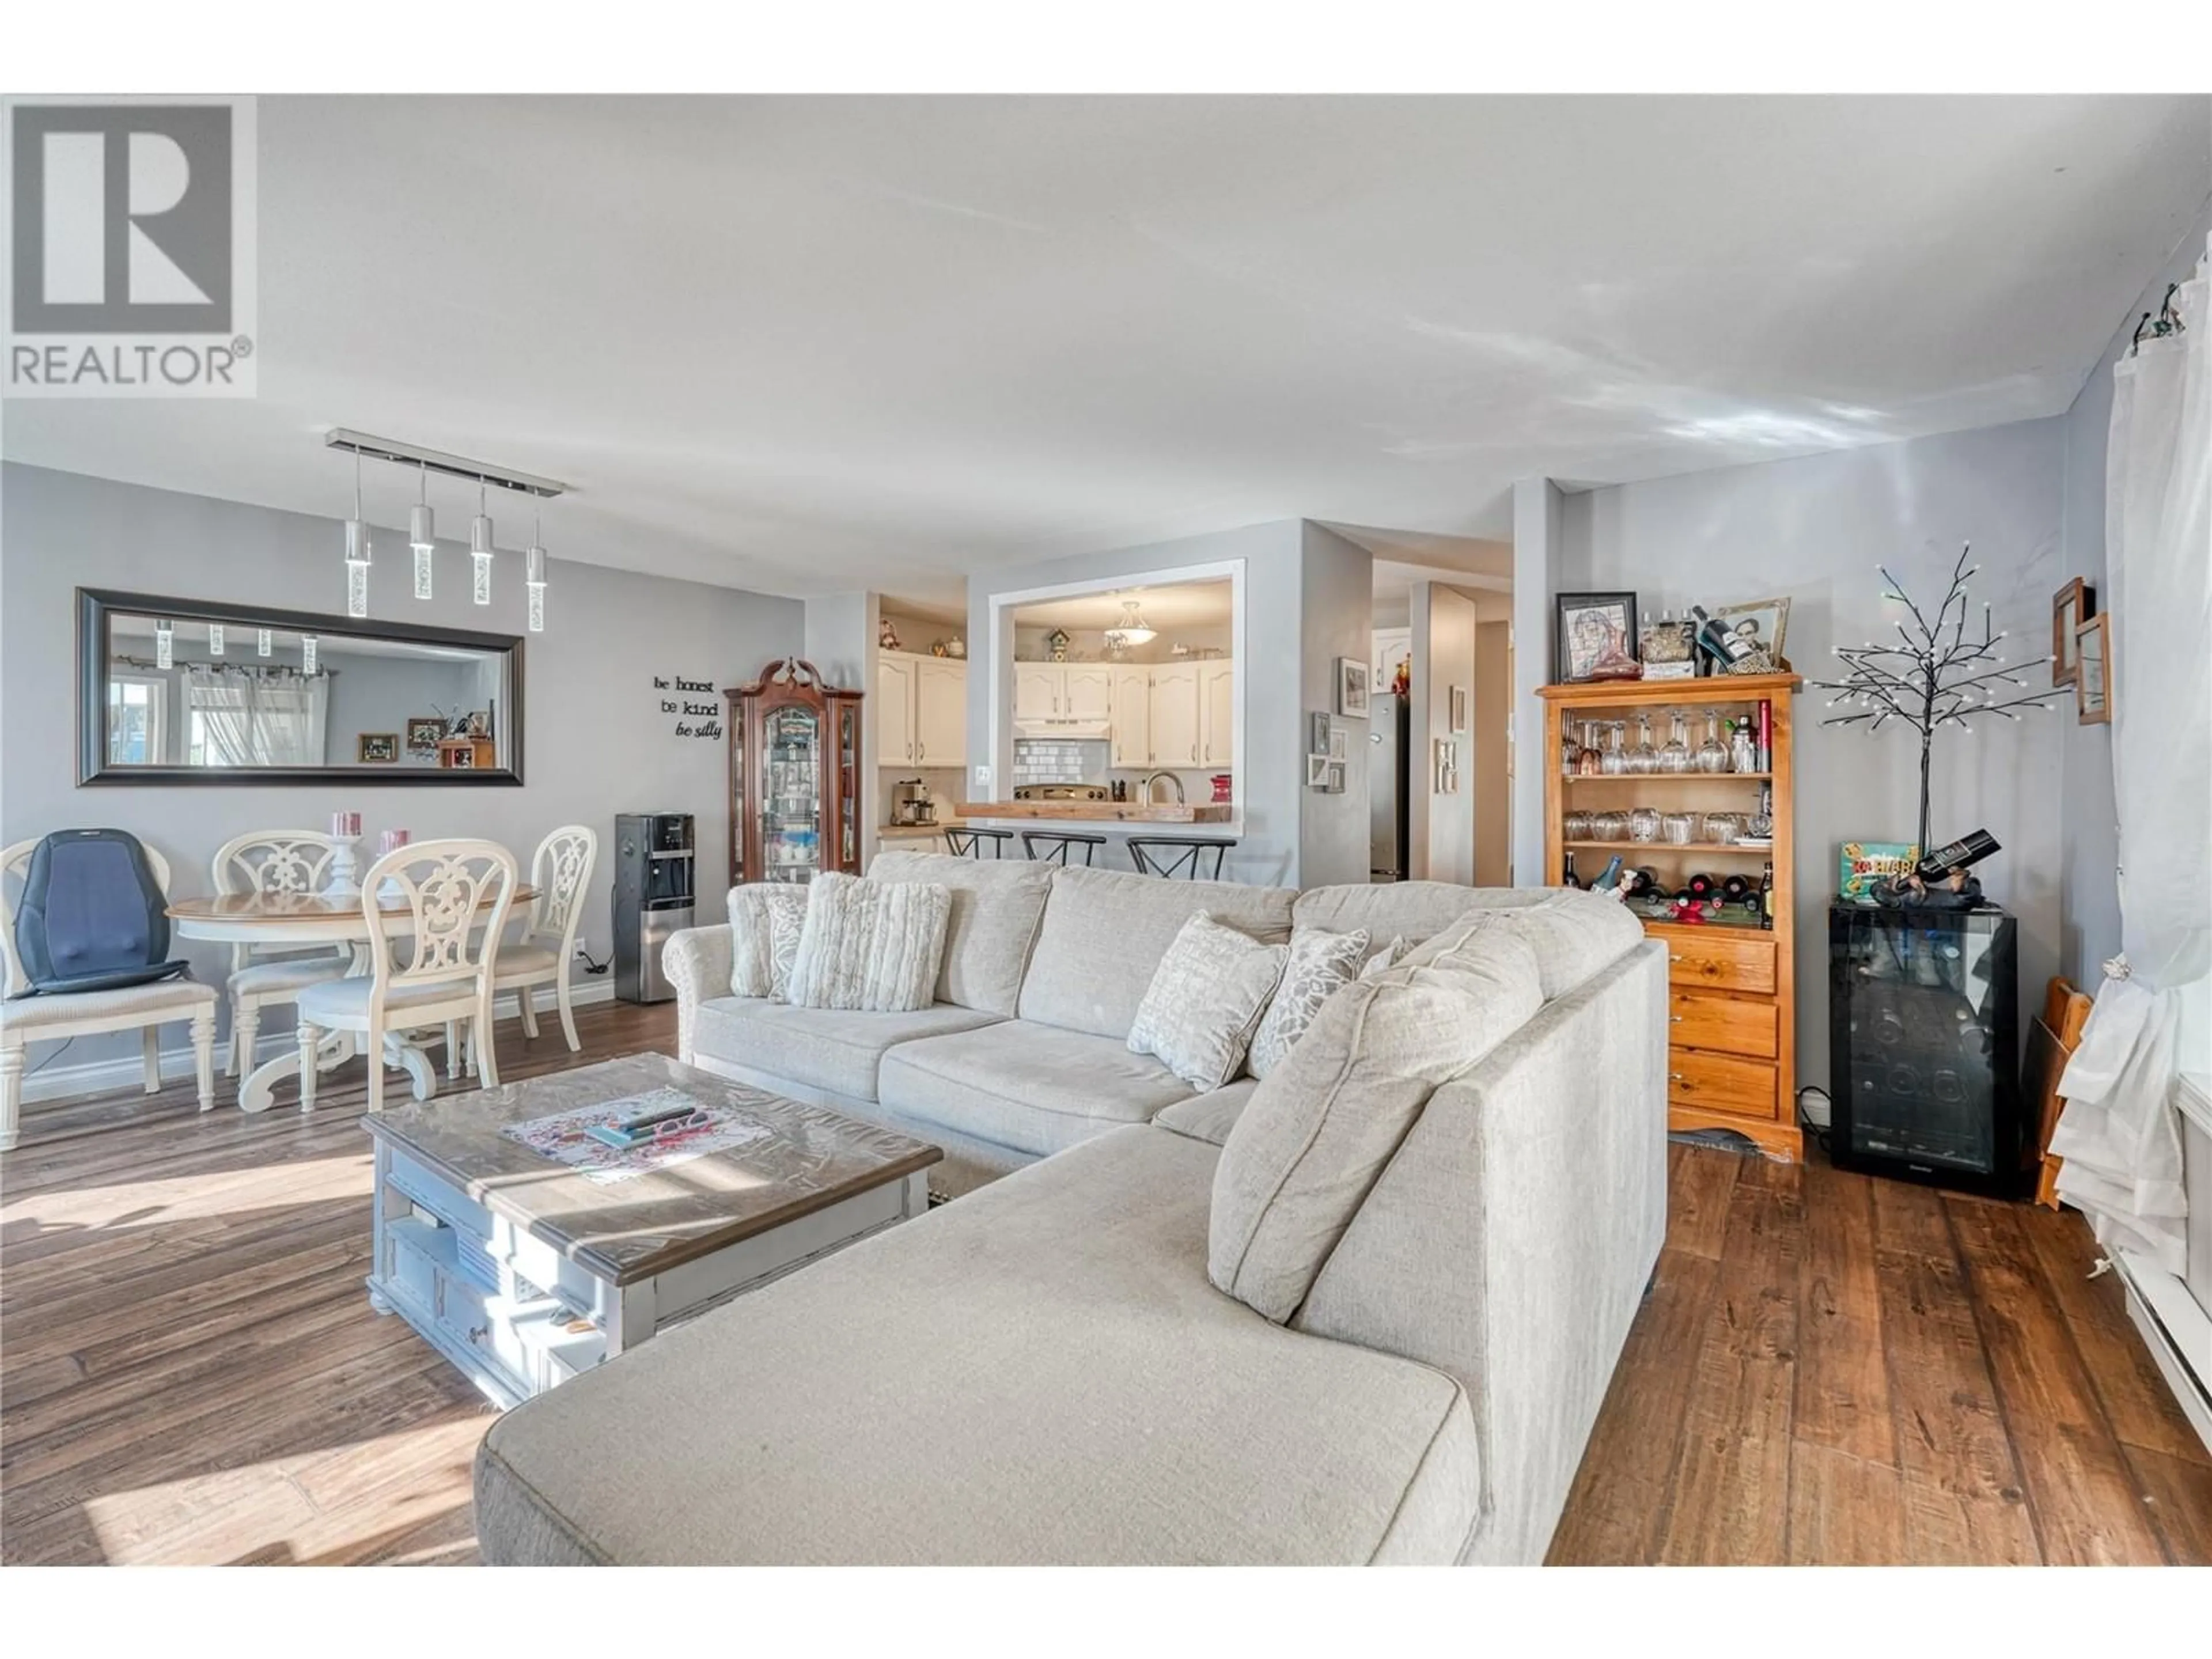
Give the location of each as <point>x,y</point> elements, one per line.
<point>1061,760</point>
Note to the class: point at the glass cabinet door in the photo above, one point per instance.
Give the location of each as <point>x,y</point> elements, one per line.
<point>848,788</point>
<point>738,790</point>
<point>791,795</point>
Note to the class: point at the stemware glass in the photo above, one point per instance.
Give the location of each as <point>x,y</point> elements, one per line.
<point>1743,754</point>
<point>1642,823</point>
<point>1570,749</point>
<point>1677,827</point>
<point>1676,756</point>
<point>1712,753</point>
<point>1609,826</point>
<point>1591,763</point>
<point>1576,827</point>
<point>1613,762</point>
<point>1722,829</point>
<point>1643,759</point>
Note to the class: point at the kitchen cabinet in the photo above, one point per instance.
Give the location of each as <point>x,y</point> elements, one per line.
<point>1036,692</point>
<point>921,711</point>
<point>1133,716</point>
<point>940,712</point>
<point>1174,705</point>
<point>1087,691</point>
<point>1216,712</point>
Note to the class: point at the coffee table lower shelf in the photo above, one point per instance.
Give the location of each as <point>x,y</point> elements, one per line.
<point>518,1316</point>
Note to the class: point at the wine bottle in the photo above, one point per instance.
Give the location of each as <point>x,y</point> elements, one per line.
<point>1568,878</point>
<point>1724,648</point>
<point>1766,899</point>
<point>1701,887</point>
<point>1608,877</point>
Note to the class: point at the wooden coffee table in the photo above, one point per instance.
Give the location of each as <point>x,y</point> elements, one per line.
<point>524,1271</point>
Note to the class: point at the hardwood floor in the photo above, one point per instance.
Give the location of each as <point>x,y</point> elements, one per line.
<point>1836,1370</point>
<point>1829,1368</point>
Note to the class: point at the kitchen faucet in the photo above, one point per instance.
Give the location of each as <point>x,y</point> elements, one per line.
<point>1149,798</point>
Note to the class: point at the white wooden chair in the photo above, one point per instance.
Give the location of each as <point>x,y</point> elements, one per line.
<point>562,873</point>
<point>144,1008</point>
<point>457,894</point>
<point>272,861</point>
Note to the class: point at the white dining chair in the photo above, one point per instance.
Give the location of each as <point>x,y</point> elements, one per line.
<point>457,892</point>
<point>264,975</point>
<point>144,1008</point>
<point>562,873</point>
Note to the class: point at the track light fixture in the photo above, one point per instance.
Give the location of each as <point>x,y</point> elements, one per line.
<point>480,549</point>
<point>533,573</point>
<point>356,550</point>
<point>422,533</point>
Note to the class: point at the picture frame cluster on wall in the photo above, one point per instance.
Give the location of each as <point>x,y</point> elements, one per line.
<point>1328,749</point>
<point>2081,652</point>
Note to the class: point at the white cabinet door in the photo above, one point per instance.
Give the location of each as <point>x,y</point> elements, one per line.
<point>1175,716</point>
<point>940,712</point>
<point>1087,692</point>
<point>1217,704</point>
<point>894,690</point>
<point>1133,717</point>
<point>1037,687</point>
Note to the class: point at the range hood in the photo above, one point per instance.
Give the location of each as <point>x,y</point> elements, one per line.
<point>1063,726</point>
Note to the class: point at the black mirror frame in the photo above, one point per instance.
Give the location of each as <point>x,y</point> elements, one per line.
<point>95,604</point>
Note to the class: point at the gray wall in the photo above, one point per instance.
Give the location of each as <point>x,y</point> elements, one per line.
<point>1278,684</point>
<point>1440,840</point>
<point>2089,896</point>
<point>381,694</point>
<point>596,740</point>
<point>1814,529</point>
<point>1539,514</point>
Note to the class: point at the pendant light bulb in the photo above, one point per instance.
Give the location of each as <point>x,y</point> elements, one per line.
<point>164,644</point>
<point>480,549</point>
<point>533,571</point>
<point>356,550</point>
<point>423,535</point>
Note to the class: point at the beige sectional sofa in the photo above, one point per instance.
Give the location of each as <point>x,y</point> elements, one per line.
<point>1042,1372</point>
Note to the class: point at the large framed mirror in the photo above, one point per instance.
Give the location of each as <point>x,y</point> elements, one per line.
<point>190,691</point>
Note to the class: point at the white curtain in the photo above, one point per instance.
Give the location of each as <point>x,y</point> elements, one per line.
<point>2119,1133</point>
<point>289,718</point>
<point>224,702</point>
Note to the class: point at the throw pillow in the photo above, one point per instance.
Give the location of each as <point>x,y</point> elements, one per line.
<point>1317,1133</point>
<point>765,920</point>
<point>1206,1000</point>
<point>1386,958</point>
<point>872,947</point>
<point>1319,962</point>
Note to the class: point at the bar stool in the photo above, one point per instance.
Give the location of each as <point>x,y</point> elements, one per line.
<point>970,843</point>
<point>1060,841</point>
<point>1178,855</point>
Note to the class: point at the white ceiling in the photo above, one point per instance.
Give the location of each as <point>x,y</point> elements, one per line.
<point>1183,605</point>
<point>808,345</point>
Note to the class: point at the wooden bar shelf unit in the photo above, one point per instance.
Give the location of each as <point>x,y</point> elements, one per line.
<point>1732,1049</point>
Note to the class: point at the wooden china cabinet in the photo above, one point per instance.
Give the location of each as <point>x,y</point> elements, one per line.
<point>1731,1056</point>
<point>794,775</point>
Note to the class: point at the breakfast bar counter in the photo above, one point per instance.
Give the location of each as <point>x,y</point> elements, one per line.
<point>1098,814</point>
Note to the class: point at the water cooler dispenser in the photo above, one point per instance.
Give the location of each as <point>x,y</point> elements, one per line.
<point>653,899</point>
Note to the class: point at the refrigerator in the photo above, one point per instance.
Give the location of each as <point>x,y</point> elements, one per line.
<point>1388,729</point>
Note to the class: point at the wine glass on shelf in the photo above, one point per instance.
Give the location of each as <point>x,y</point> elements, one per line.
<point>1676,756</point>
<point>1591,762</point>
<point>1643,759</point>
<point>1712,753</point>
<point>1614,761</point>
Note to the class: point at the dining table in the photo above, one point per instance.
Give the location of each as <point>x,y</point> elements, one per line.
<point>278,921</point>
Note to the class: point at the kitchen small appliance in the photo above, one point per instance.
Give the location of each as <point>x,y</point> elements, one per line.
<point>910,803</point>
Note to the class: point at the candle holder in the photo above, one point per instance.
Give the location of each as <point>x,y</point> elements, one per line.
<point>389,891</point>
<point>344,881</point>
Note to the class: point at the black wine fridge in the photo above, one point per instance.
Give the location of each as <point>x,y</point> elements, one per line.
<point>1924,1052</point>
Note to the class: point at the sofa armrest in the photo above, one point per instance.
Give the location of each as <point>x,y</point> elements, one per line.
<point>697,963</point>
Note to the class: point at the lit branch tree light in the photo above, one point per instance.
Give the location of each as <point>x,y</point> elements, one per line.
<point>1935,676</point>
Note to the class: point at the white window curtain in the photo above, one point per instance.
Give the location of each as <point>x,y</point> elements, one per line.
<point>2119,1134</point>
<point>249,718</point>
<point>224,702</point>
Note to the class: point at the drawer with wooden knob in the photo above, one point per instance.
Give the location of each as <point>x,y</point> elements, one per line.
<point>1722,1082</point>
<point>1733,1025</point>
<point>1718,958</point>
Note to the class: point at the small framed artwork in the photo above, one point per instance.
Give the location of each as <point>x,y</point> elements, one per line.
<point>1352,688</point>
<point>377,749</point>
<point>1762,624</point>
<point>1339,744</point>
<point>1593,637</point>
<point>2093,672</point>
<point>1459,708</point>
<point>1317,740</point>
<point>1317,771</point>
<point>1333,776</point>
<point>423,732</point>
<point>1447,766</point>
<point>2070,606</point>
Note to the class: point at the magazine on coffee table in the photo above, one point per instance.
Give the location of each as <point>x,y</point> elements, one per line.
<point>566,1137</point>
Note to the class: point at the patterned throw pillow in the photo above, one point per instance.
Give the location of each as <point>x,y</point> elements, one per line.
<point>1321,964</point>
<point>872,947</point>
<point>765,921</point>
<point>1206,1000</point>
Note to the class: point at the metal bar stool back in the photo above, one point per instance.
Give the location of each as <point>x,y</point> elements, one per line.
<point>1193,858</point>
<point>1059,845</point>
<point>970,843</point>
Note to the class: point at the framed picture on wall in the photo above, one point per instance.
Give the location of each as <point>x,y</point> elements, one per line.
<point>1352,688</point>
<point>1459,708</point>
<point>1593,637</point>
<point>2093,672</point>
<point>2070,606</point>
<point>377,748</point>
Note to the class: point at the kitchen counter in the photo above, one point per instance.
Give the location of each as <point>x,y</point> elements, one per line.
<point>917,831</point>
<point>1103,813</point>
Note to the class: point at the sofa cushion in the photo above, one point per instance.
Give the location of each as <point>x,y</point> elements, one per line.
<point>1209,1117</point>
<point>1206,999</point>
<point>835,1048</point>
<point>1417,910</point>
<point>766,920</point>
<point>1321,962</point>
<point>1035,1088</point>
<point>1105,932</point>
<point>870,946</point>
<point>1318,1130</point>
<point>1037,1374</point>
<point>996,907</point>
<point>1574,935</point>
